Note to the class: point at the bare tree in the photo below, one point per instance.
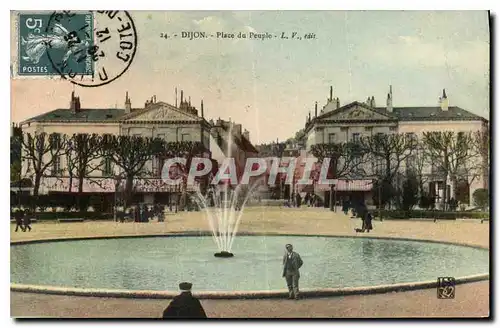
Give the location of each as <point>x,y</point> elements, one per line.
<point>187,150</point>
<point>388,151</point>
<point>41,151</point>
<point>417,164</point>
<point>347,161</point>
<point>130,154</point>
<point>481,142</point>
<point>82,152</point>
<point>452,155</point>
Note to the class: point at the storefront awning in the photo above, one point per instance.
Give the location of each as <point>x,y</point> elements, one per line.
<point>346,185</point>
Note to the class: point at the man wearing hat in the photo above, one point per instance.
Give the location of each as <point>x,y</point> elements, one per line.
<point>184,305</point>
<point>291,265</point>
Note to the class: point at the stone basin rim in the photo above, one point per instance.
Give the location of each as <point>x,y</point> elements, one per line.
<point>258,294</point>
<point>311,292</point>
<point>202,233</point>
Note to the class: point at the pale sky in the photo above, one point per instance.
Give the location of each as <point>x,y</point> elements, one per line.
<point>270,86</point>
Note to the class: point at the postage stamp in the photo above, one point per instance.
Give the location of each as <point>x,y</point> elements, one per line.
<point>89,49</point>
<point>44,39</point>
<point>110,55</point>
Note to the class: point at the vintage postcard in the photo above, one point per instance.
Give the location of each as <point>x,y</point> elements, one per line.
<point>250,164</point>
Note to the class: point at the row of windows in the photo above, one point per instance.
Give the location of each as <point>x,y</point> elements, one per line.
<point>332,137</point>
<point>106,166</point>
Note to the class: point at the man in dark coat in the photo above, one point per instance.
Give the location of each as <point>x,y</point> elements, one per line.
<point>291,265</point>
<point>26,220</point>
<point>184,305</point>
<point>18,215</point>
<point>367,222</point>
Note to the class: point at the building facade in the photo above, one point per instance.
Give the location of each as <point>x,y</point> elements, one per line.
<point>356,120</point>
<point>157,119</point>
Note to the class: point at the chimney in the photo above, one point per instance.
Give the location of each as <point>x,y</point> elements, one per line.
<point>128,105</point>
<point>331,93</point>
<point>182,96</point>
<point>175,96</point>
<point>246,134</point>
<point>74,104</point>
<point>189,101</point>
<point>316,110</point>
<point>309,116</point>
<point>202,113</point>
<point>338,103</point>
<point>444,101</point>
<point>372,102</point>
<point>368,100</point>
<point>389,100</point>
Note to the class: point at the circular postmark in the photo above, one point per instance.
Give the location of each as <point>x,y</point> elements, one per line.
<point>91,48</point>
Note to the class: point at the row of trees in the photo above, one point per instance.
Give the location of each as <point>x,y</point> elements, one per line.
<point>86,153</point>
<point>450,156</point>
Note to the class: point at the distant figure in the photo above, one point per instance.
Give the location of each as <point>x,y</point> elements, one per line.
<point>291,265</point>
<point>137,214</point>
<point>345,207</point>
<point>18,215</point>
<point>184,305</point>
<point>298,200</point>
<point>26,220</point>
<point>367,222</point>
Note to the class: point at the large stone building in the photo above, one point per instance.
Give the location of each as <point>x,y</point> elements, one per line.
<point>355,120</point>
<point>173,123</point>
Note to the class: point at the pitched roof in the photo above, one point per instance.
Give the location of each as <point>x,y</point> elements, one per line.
<point>83,115</point>
<point>417,113</point>
<point>434,113</point>
<point>246,145</point>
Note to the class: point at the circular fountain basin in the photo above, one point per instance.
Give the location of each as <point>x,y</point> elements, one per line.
<point>160,263</point>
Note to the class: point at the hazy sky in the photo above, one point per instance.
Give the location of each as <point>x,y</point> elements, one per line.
<point>270,86</point>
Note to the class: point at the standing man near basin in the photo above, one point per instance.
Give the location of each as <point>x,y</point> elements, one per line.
<point>184,305</point>
<point>291,265</point>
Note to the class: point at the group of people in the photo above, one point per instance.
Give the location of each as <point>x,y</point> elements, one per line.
<point>359,210</point>
<point>23,220</point>
<point>186,306</point>
<point>142,213</point>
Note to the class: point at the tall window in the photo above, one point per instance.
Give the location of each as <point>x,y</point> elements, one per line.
<point>332,138</point>
<point>55,140</point>
<point>185,137</point>
<point>107,169</point>
<point>56,165</point>
<point>157,165</point>
<point>355,137</point>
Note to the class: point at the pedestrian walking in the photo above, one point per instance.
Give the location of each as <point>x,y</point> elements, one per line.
<point>18,216</point>
<point>185,305</point>
<point>291,265</point>
<point>27,220</point>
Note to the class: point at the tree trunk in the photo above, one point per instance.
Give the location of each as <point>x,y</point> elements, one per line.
<point>80,194</point>
<point>70,183</point>
<point>332,187</point>
<point>129,182</point>
<point>36,187</point>
<point>445,191</point>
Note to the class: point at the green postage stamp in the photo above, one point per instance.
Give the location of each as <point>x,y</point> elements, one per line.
<point>50,43</point>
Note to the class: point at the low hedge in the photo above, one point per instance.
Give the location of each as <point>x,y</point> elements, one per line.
<point>48,216</point>
<point>423,214</point>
